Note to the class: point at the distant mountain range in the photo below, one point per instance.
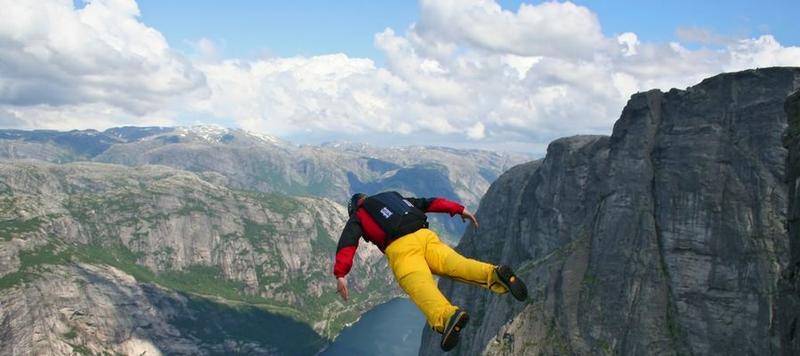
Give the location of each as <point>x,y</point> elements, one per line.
<point>197,240</point>
<point>249,161</point>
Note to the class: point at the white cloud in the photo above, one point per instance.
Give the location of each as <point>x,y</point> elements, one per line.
<point>55,56</point>
<point>472,69</point>
<point>285,95</point>
<point>71,117</point>
<point>477,131</point>
<point>630,42</point>
<point>521,64</point>
<point>764,51</point>
<point>466,69</point>
<point>547,29</point>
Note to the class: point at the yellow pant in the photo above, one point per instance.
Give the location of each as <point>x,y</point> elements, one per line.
<point>415,257</point>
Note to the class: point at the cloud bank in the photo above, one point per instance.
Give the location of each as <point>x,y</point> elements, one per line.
<point>95,63</point>
<point>468,72</point>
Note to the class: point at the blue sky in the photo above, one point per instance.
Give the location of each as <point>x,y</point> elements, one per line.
<point>288,28</point>
<point>507,75</point>
<point>659,20</point>
<point>282,28</point>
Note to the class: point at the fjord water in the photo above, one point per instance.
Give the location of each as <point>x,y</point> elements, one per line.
<point>392,329</point>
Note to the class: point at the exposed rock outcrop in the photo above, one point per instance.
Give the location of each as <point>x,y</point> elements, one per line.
<point>665,238</point>
<point>91,309</point>
<point>788,313</point>
<point>63,228</point>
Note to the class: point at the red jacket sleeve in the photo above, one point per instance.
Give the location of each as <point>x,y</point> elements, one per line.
<point>344,261</point>
<point>346,248</point>
<point>437,205</point>
<point>442,205</point>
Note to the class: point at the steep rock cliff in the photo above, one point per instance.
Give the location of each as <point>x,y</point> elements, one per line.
<point>665,238</point>
<point>79,308</point>
<point>789,287</point>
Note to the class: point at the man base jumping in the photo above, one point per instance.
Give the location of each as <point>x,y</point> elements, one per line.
<point>399,227</point>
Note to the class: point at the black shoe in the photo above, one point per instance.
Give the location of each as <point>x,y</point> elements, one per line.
<point>508,279</point>
<point>453,329</point>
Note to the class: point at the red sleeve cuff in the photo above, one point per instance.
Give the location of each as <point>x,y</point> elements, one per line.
<point>344,261</point>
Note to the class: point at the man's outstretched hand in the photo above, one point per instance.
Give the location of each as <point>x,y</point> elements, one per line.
<point>467,215</point>
<point>341,287</point>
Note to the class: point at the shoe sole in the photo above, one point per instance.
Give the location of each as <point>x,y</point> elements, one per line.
<point>514,284</point>
<point>450,337</point>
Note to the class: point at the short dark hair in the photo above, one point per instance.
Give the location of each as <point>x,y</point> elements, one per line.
<point>352,205</point>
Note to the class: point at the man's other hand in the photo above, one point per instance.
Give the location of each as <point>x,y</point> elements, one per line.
<point>341,287</point>
<point>467,215</point>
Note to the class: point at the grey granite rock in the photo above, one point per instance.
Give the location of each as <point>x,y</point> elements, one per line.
<point>788,313</point>
<point>96,309</point>
<point>666,238</point>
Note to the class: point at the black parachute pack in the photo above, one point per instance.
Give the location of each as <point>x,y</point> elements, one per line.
<point>395,215</point>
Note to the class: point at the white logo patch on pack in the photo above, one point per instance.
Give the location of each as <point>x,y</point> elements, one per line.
<point>386,212</point>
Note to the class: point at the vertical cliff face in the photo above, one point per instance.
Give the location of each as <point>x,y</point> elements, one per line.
<point>789,287</point>
<point>665,238</point>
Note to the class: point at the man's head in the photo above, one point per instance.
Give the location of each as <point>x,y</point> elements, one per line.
<point>354,202</point>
